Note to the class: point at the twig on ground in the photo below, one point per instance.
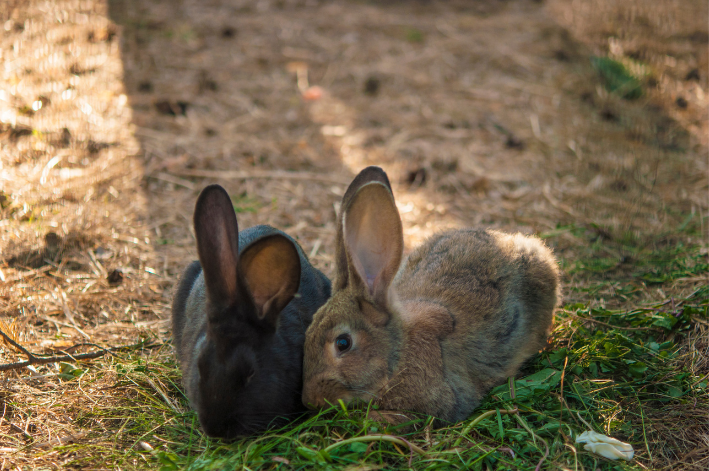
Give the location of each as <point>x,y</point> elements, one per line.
<point>546,453</point>
<point>279,175</point>
<point>166,177</point>
<point>19,347</point>
<point>39,360</point>
<point>65,324</point>
<point>69,315</point>
<point>20,430</point>
<point>585,423</point>
<point>163,395</point>
<point>59,441</point>
<point>25,274</point>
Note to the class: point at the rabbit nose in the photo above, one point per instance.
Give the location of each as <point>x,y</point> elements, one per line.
<point>312,405</point>
<point>315,395</point>
<point>313,402</point>
<point>309,399</point>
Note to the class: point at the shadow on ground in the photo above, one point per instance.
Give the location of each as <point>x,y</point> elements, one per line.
<point>483,113</point>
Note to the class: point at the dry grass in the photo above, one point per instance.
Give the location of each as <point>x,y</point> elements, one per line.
<point>114,116</point>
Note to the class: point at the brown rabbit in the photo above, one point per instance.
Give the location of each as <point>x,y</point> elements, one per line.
<point>436,333</point>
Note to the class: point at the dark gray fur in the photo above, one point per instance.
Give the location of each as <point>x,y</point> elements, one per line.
<point>241,365</point>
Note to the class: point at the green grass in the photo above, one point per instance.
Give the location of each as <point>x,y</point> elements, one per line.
<point>627,373</point>
<point>606,265</point>
<point>618,78</point>
<point>413,35</point>
<point>245,204</point>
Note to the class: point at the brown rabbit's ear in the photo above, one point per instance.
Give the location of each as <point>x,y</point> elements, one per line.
<point>271,268</point>
<point>368,175</point>
<point>373,239</point>
<point>217,236</point>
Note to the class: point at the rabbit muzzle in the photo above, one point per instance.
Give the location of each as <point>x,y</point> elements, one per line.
<point>320,392</point>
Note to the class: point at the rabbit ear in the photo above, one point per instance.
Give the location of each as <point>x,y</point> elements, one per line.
<point>368,175</point>
<point>271,268</point>
<point>217,236</point>
<point>373,238</point>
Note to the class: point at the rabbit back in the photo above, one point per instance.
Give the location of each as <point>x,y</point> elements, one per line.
<point>434,332</point>
<point>179,306</point>
<point>499,291</point>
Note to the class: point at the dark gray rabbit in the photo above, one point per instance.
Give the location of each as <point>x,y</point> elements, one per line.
<point>239,319</point>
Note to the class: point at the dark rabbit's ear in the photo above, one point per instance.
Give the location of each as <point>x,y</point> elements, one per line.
<point>271,268</point>
<point>368,175</point>
<point>373,239</point>
<point>217,236</point>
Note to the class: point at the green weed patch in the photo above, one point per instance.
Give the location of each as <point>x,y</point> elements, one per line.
<point>620,373</point>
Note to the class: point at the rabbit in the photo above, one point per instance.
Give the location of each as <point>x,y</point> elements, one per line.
<point>239,318</point>
<point>432,334</point>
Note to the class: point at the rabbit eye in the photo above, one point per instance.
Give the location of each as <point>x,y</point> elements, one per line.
<point>343,342</point>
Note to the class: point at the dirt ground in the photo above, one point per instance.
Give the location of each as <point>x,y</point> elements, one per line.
<point>113,116</point>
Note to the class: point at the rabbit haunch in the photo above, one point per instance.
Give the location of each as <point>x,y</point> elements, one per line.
<point>432,334</point>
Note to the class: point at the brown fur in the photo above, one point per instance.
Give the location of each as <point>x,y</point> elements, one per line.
<point>463,312</point>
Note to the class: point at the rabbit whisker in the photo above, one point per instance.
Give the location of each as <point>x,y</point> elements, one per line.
<point>391,384</point>
<point>363,391</point>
